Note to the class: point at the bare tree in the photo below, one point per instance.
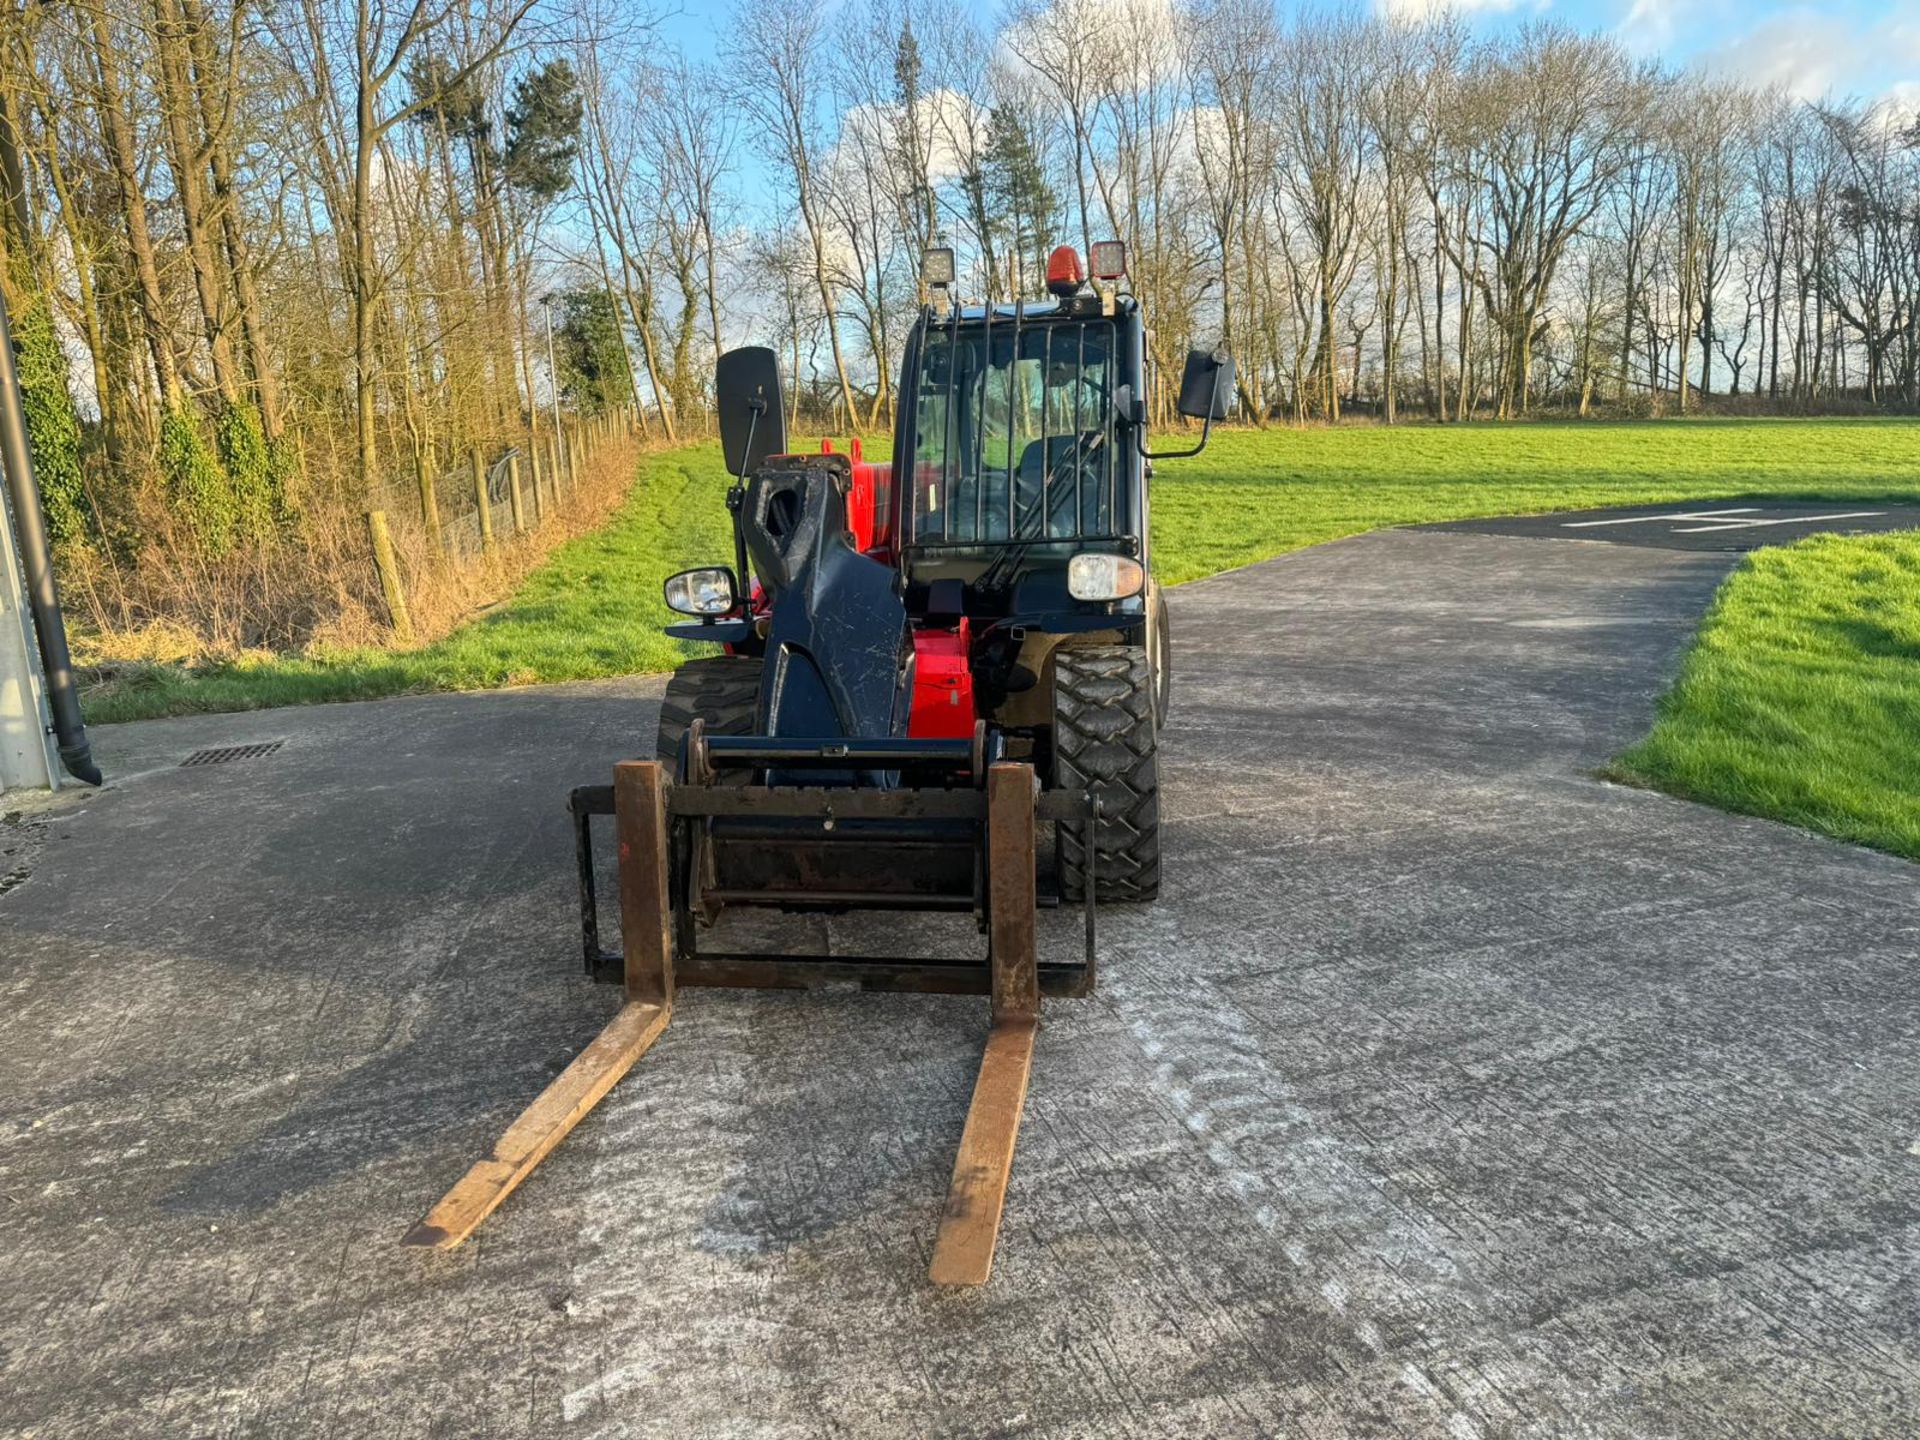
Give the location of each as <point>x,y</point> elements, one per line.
<point>1326,149</point>
<point>783,50</point>
<point>1552,117</point>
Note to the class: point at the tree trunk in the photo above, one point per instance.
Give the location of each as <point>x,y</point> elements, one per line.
<point>133,209</point>
<point>216,116</point>
<point>363,292</point>
<point>186,154</point>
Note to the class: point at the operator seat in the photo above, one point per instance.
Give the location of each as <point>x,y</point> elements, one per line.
<point>1050,467</point>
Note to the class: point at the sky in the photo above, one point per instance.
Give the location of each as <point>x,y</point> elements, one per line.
<point>1867,48</point>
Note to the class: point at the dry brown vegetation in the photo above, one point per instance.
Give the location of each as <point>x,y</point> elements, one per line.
<point>177,606</point>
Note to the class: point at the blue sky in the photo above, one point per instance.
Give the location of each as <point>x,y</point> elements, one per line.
<point>1865,47</point>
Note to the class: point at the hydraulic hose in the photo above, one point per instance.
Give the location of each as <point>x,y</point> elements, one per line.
<point>36,559</point>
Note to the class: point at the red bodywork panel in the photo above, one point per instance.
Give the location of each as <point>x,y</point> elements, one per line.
<point>942,674</point>
<point>870,503</point>
<point>942,684</point>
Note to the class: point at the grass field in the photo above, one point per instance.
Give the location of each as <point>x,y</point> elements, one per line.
<point>1253,494</point>
<point>594,608</point>
<point>1800,699</point>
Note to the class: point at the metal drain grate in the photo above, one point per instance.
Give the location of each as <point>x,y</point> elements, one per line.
<point>231,752</point>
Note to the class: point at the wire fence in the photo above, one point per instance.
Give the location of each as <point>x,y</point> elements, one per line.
<point>494,496</point>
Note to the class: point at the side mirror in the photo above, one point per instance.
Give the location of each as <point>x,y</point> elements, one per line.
<point>753,418</point>
<point>1206,385</point>
<point>1206,395</point>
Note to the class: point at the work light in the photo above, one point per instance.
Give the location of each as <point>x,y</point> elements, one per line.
<point>701,592</point>
<point>1104,577</point>
<point>936,267</point>
<point>1107,259</point>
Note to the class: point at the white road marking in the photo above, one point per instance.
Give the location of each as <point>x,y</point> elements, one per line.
<point>1735,518</point>
<point>1649,519</point>
<point>1784,520</point>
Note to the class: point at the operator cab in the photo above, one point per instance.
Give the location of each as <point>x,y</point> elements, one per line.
<point>1012,455</point>
<point>1021,462</point>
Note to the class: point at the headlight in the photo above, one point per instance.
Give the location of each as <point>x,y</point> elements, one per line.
<point>701,592</point>
<point>1104,577</point>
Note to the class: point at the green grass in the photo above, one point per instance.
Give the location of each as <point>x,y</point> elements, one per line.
<point>1253,494</point>
<point>594,608</point>
<point>1800,699</point>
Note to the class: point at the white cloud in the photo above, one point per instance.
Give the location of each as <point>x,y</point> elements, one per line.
<point>1136,42</point>
<point>1903,98</point>
<point>1803,53</point>
<point>1417,10</point>
<point>944,117</point>
<point>1812,53</point>
<point>1650,24</point>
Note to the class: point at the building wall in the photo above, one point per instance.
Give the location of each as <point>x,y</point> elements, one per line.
<point>28,759</point>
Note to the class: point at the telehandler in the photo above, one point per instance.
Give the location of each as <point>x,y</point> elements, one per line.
<point>932,659</point>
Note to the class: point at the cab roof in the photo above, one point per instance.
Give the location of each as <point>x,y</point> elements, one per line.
<point>1080,307</point>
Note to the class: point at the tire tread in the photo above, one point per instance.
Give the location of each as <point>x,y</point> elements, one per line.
<point>1105,739</point>
<point>723,690</point>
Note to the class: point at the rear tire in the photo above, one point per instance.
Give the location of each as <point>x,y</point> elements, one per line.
<point>1104,740</point>
<point>723,690</point>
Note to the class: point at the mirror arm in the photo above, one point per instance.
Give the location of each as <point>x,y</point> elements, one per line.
<point>1206,423</point>
<point>736,502</point>
<point>1140,444</point>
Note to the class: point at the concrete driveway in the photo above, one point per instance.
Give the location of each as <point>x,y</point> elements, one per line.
<point>1449,1092</point>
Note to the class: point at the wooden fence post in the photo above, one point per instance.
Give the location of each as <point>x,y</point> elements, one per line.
<point>553,464</point>
<point>480,500</point>
<point>389,571</point>
<point>429,500</point>
<point>513,495</point>
<point>533,473</point>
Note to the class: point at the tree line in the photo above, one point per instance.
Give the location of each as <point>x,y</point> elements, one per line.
<point>273,262</point>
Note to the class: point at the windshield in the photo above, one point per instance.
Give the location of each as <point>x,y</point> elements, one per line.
<point>1014,447</point>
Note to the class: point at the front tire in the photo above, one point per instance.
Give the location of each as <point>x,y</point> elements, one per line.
<point>723,690</point>
<point>1105,740</point>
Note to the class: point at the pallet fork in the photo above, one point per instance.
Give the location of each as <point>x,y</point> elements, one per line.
<point>665,879</point>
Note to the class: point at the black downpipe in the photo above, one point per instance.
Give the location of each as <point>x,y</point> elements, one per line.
<point>1013,460</point>
<point>980,432</point>
<point>36,558</point>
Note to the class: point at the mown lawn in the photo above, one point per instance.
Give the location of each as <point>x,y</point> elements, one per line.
<point>1253,494</point>
<point>1800,698</point>
<point>594,608</point>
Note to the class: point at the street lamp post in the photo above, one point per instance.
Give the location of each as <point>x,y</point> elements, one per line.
<point>560,456</point>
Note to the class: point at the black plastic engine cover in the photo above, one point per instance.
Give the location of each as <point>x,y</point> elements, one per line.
<point>839,650</point>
